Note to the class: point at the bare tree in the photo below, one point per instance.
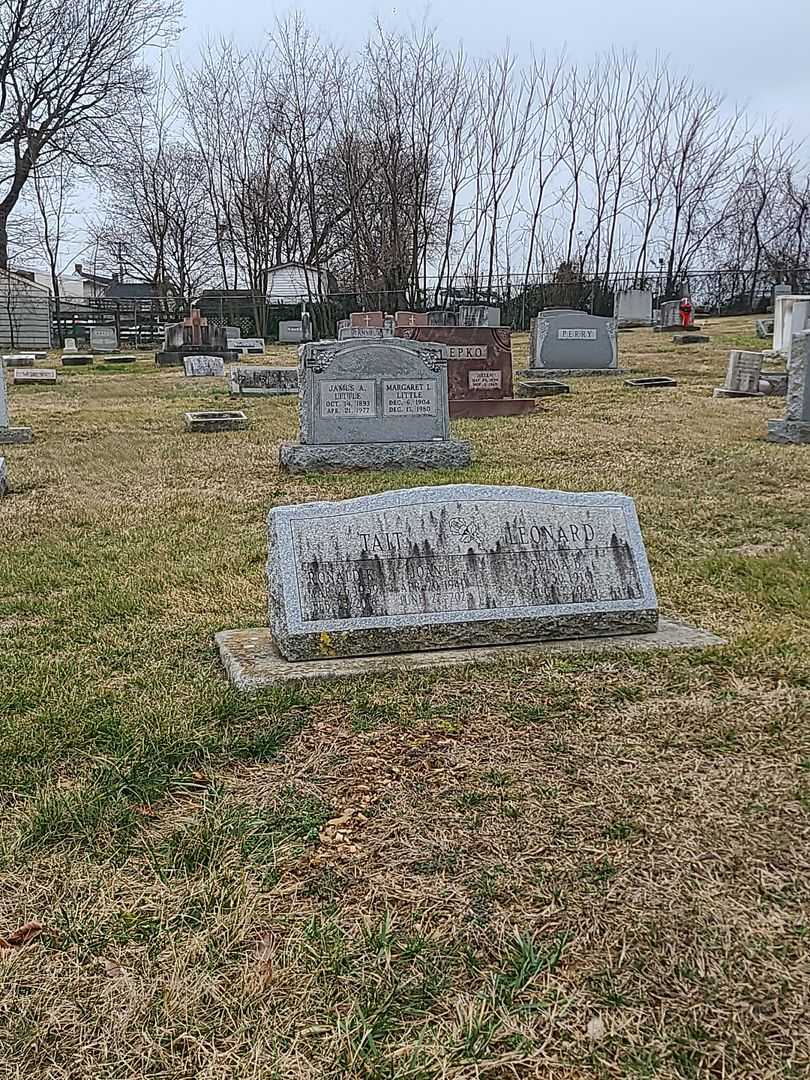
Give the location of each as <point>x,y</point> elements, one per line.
<point>68,69</point>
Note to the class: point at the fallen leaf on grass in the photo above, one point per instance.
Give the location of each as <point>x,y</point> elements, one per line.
<point>23,935</point>
<point>264,957</point>
<point>596,1028</point>
<point>113,969</point>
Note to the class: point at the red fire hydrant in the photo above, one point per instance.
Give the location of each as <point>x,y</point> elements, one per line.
<point>685,308</point>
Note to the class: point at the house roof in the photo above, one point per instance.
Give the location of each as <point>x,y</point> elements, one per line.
<point>298,265</point>
<point>26,279</point>
<point>131,290</point>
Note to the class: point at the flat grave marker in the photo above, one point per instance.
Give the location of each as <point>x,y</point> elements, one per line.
<point>259,381</point>
<point>46,376</point>
<point>209,420</point>
<point>743,375</point>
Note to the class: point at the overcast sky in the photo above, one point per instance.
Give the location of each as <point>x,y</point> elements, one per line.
<point>758,53</point>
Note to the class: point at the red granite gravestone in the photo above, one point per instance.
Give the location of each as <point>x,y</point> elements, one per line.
<point>367,319</point>
<point>479,370</point>
<point>410,318</point>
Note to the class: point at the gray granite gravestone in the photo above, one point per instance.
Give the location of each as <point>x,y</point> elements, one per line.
<point>34,375</point>
<point>795,428</point>
<point>479,315</point>
<point>743,375</point>
<point>257,381</point>
<point>10,434</point>
<point>76,360</point>
<point>247,346</point>
<point>367,333</point>
<point>459,565</point>
<point>120,358</point>
<point>198,367</point>
<point>15,360</point>
<point>3,478</point>
<point>373,405</point>
<point>633,307</point>
<point>571,342</point>
<point>764,328</point>
<point>103,339</point>
<point>231,332</point>
<point>291,331</point>
<point>70,345</point>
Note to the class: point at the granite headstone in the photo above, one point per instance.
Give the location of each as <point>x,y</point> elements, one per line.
<point>290,332</point>
<point>103,339</point>
<point>9,434</point>
<point>373,404</point>
<point>367,319</point>
<point>199,367</point>
<point>245,346</point>
<point>253,380</point>
<point>455,566</point>
<point>574,343</point>
<point>743,375</point>
<point>479,369</point>
<point>633,307</point>
<point>795,428</point>
<point>479,315</point>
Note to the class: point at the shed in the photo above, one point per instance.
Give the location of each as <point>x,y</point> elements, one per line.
<point>293,281</point>
<point>25,313</point>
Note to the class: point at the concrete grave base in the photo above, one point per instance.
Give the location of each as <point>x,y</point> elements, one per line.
<point>252,661</point>
<point>480,409</point>
<point>776,383</point>
<point>12,435</point>
<point>216,421</point>
<point>690,339</point>
<point>788,431</point>
<point>652,382</point>
<point>336,457</point>
<point>531,388</point>
<point>76,360</point>
<point>721,392</point>
<point>568,373</point>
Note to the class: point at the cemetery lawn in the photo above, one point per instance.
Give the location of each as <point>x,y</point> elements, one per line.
<point>570,868</point>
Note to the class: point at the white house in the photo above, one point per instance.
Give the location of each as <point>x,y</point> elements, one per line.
<point>25,313</point>
<point>294,281</point>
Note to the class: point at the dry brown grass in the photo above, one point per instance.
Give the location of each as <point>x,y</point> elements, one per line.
<point>572,868</point>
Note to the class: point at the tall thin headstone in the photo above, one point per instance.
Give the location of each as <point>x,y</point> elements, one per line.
<point>9,434</point>
<point>795,428</point>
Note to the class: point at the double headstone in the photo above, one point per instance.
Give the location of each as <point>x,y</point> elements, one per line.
<point>570,342</point>
<point>195,336</point>
<point>373,405</point>
<point>795,428</point>
<point>290,332</point>
<point>479,369</point>
<point>455,566</point>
